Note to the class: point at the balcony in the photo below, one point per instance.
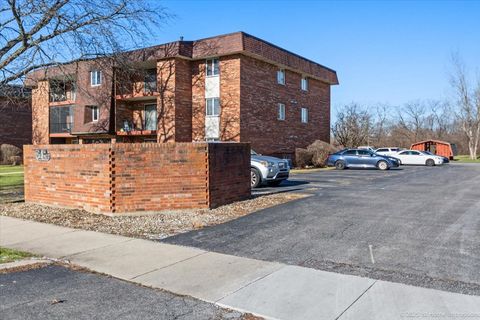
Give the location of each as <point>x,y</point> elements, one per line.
<point>137,120</point>
<point>62,92</point>
<point>139,86</point>
<point>61,120</point>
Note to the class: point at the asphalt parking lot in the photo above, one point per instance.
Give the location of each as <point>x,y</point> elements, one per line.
<point>415,225</point>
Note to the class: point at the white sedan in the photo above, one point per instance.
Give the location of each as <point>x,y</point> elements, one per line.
<point>418,158</point>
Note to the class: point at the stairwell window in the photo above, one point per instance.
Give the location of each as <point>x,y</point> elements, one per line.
<point>95,78</point>
<point>95,113</point>
<point>213,68</point>
<point>304,115</point>
<point>281,76</point>
<point>213,106</point>
<point>304,84</point>
<point>281,111</point>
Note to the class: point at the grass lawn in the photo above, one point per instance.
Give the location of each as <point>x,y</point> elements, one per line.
<point>9,255</point>
<point>10,169</point>
<point>11,176</point>
<point>466,158</point>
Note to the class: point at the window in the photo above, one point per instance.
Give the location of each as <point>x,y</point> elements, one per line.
<point>304,115</point>
<point>350,153</point>
<point>281,76</point>
<point>213,106</point>
<point>95,77</point>
<point>150,121</point>
<point>61,119</point>
<point>213,68</point>
<point>150,81</point>
<point>95,113</point>
<point>281,111</point>
<point>304,84</point>
<point>382,150</point>
<point>364,152</point>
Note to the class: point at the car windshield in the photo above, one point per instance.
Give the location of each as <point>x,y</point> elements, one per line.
<point>253,153</point>
<point>427,152</point>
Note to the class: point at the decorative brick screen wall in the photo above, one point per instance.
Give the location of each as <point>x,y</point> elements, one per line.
<point>119,178</point>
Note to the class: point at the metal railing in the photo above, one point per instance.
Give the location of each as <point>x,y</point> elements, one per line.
<point>61,127</point>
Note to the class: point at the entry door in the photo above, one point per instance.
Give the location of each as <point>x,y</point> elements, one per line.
<point>212,119</point>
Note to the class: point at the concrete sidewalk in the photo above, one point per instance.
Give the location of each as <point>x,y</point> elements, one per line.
<point>271,290</point>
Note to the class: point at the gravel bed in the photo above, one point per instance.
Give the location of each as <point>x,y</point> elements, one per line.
<point>151,226</point>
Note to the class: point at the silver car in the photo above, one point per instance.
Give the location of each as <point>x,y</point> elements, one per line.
<point>269,170</point>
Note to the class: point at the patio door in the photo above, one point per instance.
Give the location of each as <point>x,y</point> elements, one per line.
<point>150,120</point>
<point>212,119</point>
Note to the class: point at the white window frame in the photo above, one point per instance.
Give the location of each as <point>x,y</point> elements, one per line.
<point>95,113</point>
<point>95,78</point>
<point>304,115</point>
<point>281,112</point>
<point>304,83</point>
<point>212,113</point>
<point>211,63</point>
<point>281,80</point>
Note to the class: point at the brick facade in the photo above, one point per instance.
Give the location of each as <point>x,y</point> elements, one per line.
<point>119,178</point>
<point>16,121</point>
<point>248,91</point>
<point>260,96</point>
<point>40,113</point>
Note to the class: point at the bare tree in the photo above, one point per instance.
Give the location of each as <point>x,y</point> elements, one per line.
<point>41,33</point>
<point>468,104</point>
<point>352,127</point>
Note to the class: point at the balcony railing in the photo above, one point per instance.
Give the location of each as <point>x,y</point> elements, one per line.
<point>61,127</point>
<point>62,91</point>
<point>61,119</point>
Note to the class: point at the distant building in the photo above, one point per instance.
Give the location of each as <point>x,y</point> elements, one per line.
<point>232,87</point>
<point>15,115</point>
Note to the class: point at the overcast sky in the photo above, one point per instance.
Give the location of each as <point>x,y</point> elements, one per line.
<point>383,52</point>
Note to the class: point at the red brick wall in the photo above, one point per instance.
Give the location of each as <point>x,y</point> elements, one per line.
<point>229,172</point>
<point>166,100</point>
<point>77,176</point>
<point>260,95</point>
<point>120,178</point>
<point>269,52</point>
<point>198,100</point>
<point>40,114</point>
<point>16,121</point>
<point>170,175</point>
<point>183,101</point>
<point>86,95</point>
<point>230,98</point>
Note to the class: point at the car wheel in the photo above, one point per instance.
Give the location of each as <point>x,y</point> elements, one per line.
<point>339,165</point>
<point>430,163</point>
<point>256,178</point>
<point>382,165</point>
<point>275,183</point>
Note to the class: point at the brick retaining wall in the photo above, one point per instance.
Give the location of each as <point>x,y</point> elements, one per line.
<point>119,178</point>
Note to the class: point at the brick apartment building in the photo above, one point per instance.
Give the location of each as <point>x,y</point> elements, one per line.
<point>233,87</point>
<point>15,115</point>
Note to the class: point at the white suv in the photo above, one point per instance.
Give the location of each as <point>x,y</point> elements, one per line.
<point>387,151</point>
<point>267,169</point>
